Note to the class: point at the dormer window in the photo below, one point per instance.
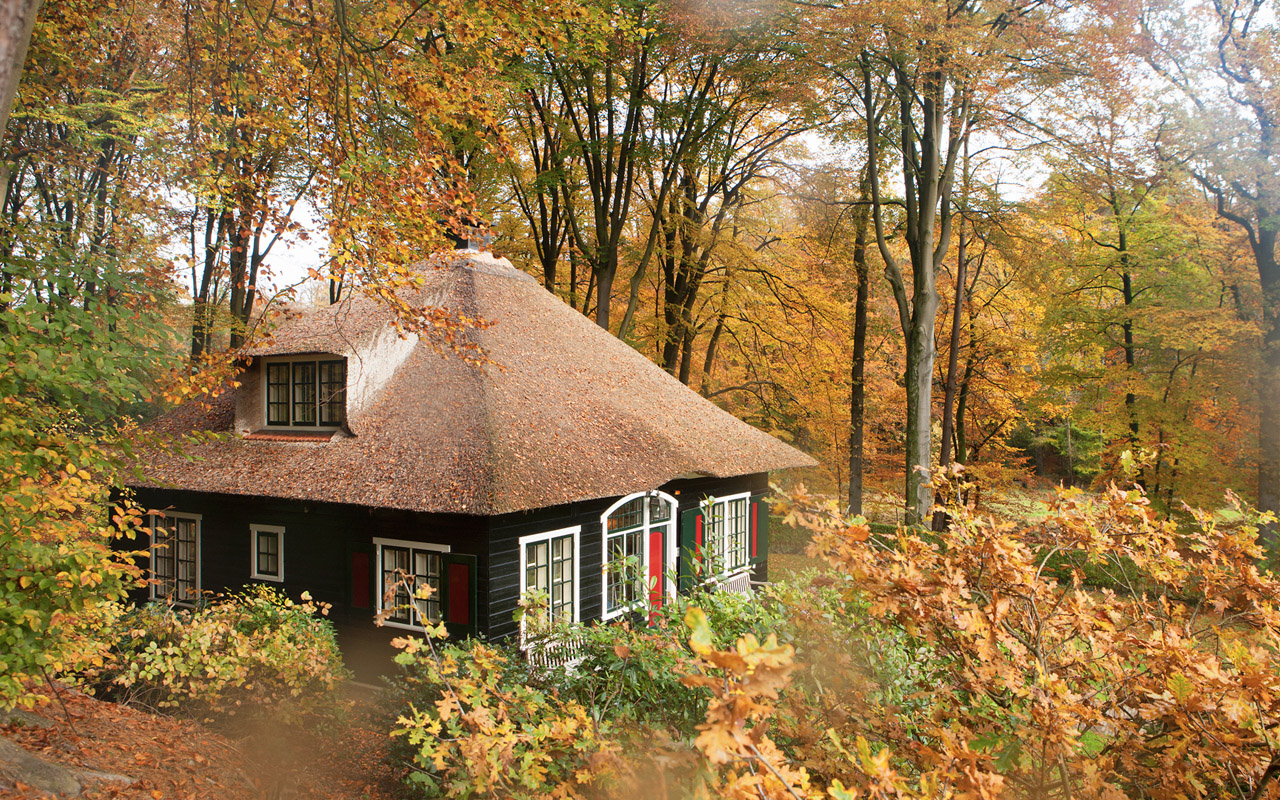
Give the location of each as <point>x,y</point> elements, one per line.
<point>306,392</point>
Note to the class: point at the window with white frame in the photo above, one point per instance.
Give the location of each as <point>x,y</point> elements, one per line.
<point>267,552</point>
<point>175,557</point>
<point>549,569</point>
<point>628,527</point>
<point>726,524</point>
<point>306,392</point>
<point>403,567</point>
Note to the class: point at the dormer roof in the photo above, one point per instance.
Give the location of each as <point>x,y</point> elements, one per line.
<point>562,411</point>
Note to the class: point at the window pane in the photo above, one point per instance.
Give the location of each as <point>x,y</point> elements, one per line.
<point>659,509</point>
<point>186,578</point>
<point>550,570</point>
<point>562,580</point>
<point>426,572</point>
<point>268,553</point>
<point>277,394</point>
<point>304,393</point>
<point>333,392</point>
<point>164,556</point>
<point>628,515</point>
<point>737,534</point>
<point>395,567</point>
<point>537,572</point>
<point>626,555</point>
<point>713,539</point>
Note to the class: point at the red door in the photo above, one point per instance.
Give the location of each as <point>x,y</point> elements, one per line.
<point>657,565</point>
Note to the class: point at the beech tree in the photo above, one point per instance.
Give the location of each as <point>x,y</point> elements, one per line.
<point>1223,58</point>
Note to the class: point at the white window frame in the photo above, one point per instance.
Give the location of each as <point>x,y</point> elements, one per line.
<point>315,358</point>
<point>151,553</point>
<point>646,528</point>
<point>382,590</point>
<point>707,507</point>
<point>533,538</point>
<point>254,531</point>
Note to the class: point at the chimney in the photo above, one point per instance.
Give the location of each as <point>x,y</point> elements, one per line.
<point>479,240</point>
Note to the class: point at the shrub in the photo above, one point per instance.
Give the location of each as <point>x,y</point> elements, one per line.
<point>255,651</point>
<point>1051,688</point>
<point>471,726</point>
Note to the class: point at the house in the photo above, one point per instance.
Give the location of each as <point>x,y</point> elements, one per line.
<point>353,450</point>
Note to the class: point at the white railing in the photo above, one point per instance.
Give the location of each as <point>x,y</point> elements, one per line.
<point>561,648</point>
<point>739,582</point>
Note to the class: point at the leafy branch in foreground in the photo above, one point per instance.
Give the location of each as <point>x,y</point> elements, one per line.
<point>1164,686</point>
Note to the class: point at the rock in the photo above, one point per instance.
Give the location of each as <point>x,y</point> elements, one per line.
<point>24,719</point>
<point>91,776</point>
<point>17,765</point>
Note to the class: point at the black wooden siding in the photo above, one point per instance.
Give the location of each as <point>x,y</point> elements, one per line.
<point>320,537</point>
<point>505,532</point>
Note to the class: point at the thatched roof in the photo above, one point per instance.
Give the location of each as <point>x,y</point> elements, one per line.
<point>563,412</point>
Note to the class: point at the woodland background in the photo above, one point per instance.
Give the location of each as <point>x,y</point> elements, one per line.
<point>1022,238</point>
<point>1029,238</point>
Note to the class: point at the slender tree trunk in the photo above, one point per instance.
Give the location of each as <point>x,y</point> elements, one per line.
<point>708,364</point>
<point>686,354</point>
<point>573,278</point>
<point>202,304</point>
<point>940,519</point>
<point>1269,384</point>
<point>929,150</point>
<point>1130,399</point>
<point>858,362</point>
<point>962,405</point>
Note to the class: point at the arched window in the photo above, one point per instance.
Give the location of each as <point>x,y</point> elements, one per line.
<point>639,544</point>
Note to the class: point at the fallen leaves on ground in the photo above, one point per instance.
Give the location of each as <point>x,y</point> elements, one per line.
<point>184,760</point>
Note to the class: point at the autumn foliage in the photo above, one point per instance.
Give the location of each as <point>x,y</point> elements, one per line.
<point>1163,683</point>
<point>1102,651</point>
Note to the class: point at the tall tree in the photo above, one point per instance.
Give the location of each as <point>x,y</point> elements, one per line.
<point>1224,59</point>
<point>934,113</point>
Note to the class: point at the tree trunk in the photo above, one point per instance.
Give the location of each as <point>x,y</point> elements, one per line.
<point>929,149</point>
<point>1126,288</point>
<point>953,357</point>
<point>604,290</point>
<point>17,19</point>
<point>962,405</point>
<point>202,306</point>
<point>1269,384</point>
<point>857,366</point>
<point>919,383</point>
<point>708,364</point>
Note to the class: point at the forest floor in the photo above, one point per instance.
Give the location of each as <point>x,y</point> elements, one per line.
<point>170,759</point>
<point>787,557</point>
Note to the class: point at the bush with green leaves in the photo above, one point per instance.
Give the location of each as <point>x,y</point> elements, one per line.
<point>468,722</point>
<point>252,652</point>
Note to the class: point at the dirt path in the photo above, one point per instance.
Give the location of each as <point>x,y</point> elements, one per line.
<point>182,760</point>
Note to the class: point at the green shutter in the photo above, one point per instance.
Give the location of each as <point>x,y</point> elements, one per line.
<point>458,595</point>
<point>758,536</point>
<point>686,540</point>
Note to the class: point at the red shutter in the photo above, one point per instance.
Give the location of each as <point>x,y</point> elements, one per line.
<point>360,580</point>
<point>458,609</point>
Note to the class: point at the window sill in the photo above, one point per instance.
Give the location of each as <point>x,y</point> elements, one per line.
<point>635,608</point>
<point>404,626</point>
<point>291,436</point>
